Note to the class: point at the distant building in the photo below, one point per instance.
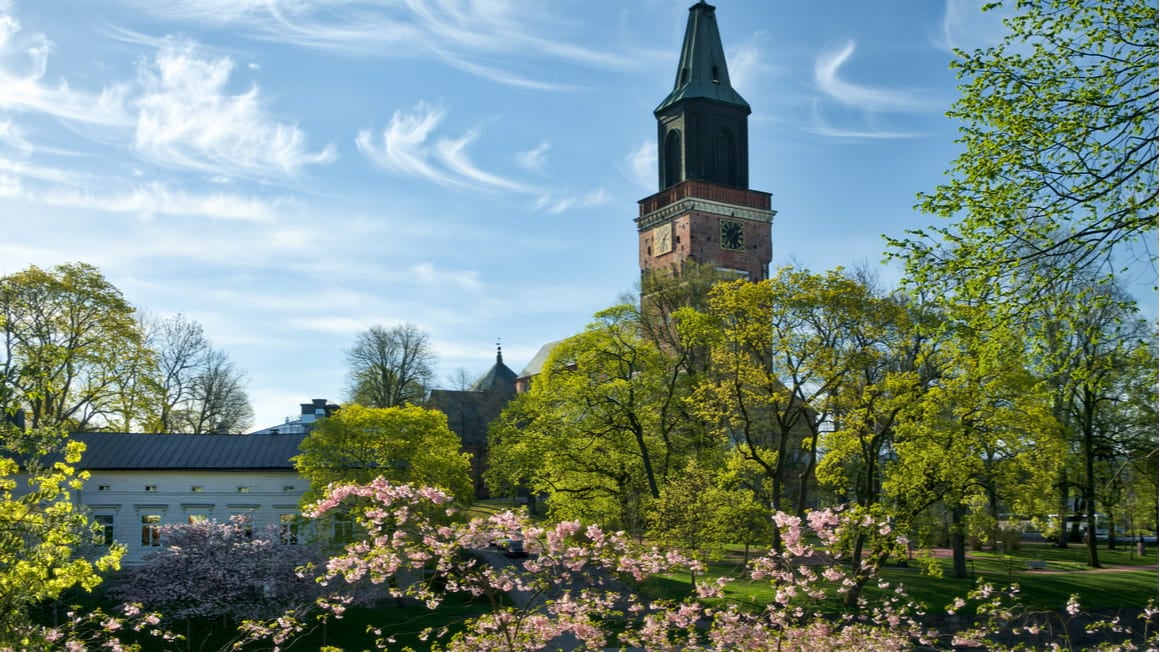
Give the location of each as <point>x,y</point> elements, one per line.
<point>311,413</point>
<point>470,412</point>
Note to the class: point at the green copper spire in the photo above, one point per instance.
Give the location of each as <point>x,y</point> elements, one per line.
<point>702,72</point>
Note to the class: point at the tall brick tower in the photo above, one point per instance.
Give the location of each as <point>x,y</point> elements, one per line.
<point>705,211</point>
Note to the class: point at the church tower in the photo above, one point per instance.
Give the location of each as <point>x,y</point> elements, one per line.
<point>705,212</point>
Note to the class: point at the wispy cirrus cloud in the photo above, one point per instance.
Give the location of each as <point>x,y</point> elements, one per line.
<point>464,35</point>
<point>147,200</point>
<point>556,203</point>
<point>826,68</point>
<point>641,164</point>
<point>408,146</point>
<point>187,118</point>
<point>23,64</point>
<point>864,105</point>
<point>534,159</point>
<point>965,26</point>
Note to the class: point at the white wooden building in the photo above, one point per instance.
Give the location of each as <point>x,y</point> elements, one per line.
<point>139,482</point>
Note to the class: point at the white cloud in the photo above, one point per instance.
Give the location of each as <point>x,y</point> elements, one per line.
<point>406,148</point>
<point>642,165</point>
<point>427,274</point>
<point>24,90</point>
<point>826,68</point>
<point>188,119</point>
<point>869,131</point>
<point>534,159</point>
<point>145,201</point>
<point>462,34</point>
<point>965,26</point>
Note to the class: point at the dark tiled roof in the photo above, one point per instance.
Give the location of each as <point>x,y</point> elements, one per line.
<point>109,451</point>
<point>497,379</point>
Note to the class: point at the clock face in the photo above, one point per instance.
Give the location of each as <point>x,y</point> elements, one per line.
<point>732,235</point>
<point>663,239</point>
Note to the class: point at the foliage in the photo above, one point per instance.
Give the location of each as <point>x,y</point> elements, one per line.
<point>221,569</point>
<point>577,583</point>
<point>979,439</point>
<point>1058,170</point>
<point>41,530</point>
<point>389,367</point>
<point>197,389</point>
<point>691,513</point>
<point>603,425</point>
<point>70,344</point>
<point>402,444</point>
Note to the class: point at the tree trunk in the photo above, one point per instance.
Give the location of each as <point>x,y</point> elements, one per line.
<point>958,542</point>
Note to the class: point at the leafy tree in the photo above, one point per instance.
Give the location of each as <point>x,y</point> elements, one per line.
<point>691,513</point>
<point>70,344</point>
<point>41,530</point>
<point>213,569</point>
<point>390,367</point>
<point>784,355</point>
<point>402,444</point>
<point>982,435</point>
<point>603,426</point>
<point>1089,355</point>
<point>1058,170</point>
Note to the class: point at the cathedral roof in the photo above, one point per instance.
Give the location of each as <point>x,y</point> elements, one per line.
<point>702,72</point>
<point>499,378</point>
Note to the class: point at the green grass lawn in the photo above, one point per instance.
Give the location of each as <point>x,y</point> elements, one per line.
<point>1126,582</point>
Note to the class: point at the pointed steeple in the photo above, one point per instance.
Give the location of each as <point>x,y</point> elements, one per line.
<point>702,72</point>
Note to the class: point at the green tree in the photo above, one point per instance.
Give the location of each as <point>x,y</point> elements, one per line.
<point>692,513</point>
<point>41,531</point>
<point>71,347</point>
<point>785,353</point>
<point>982,437</point>
<point>1089,355</point>
<point>390,367</point>
<point>602,427</point>
<point>401,444</point>
<point>1059,161</point>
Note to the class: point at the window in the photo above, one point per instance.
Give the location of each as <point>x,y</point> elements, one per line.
<point>197,488</point>
<point>287,487</point>
<point>150,487</point>
<point>102,487</point>
<point>197,517</point>
<point>288,529</point>
<point>150,530</point>
<point>243,490</point>
<point>103,536</point>
<point>343,529</point>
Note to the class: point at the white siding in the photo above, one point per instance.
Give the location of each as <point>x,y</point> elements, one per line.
<point>265,495</point>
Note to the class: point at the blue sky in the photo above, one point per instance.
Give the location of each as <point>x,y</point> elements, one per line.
<point>291,172</point>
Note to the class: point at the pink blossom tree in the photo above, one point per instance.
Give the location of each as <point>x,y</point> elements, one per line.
<point>577,587</point>
<point>226,569</point>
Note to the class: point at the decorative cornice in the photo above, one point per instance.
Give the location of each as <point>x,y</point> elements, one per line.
<point>690,204</point>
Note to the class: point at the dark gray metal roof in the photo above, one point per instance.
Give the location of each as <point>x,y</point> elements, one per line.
<point>122,451</point>
<point>702,72</point>
<point>541,358</point>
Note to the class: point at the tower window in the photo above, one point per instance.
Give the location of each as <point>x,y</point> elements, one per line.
<point>716,77</point>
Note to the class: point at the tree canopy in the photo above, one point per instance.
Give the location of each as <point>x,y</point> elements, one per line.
<point>402,444</point>
<point>1059,161</point>
<point>390,367</point>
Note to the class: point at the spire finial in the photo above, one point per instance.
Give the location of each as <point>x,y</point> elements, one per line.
<point>498,352</point>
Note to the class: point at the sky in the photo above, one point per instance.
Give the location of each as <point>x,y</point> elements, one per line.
<point>290,173</point>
